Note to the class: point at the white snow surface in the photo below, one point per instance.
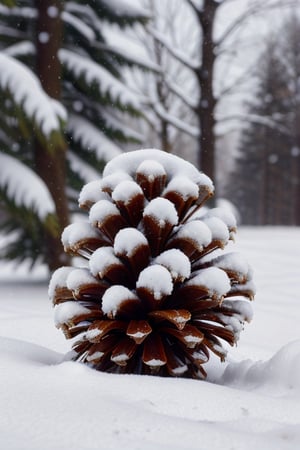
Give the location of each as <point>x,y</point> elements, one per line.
<point>250,401</point>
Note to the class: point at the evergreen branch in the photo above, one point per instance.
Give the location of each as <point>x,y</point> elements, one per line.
<point>28,96</point>
<point>24,187</point>
<point>26,227</point>
<point>95,77</point>
<point>119,11</point>
<point>9,3</point>
<point>89,137</point>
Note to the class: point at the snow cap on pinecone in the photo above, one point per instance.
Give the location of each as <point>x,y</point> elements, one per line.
<point>157,294</point>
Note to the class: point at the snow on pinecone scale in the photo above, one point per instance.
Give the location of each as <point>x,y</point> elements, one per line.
<point>156,295</point>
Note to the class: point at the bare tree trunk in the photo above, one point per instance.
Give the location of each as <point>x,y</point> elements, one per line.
<point>207,101</point>
<point>51,164</point>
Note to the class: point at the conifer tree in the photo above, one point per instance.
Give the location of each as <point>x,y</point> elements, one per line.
<point>265,179</point>
<point>63,98</point>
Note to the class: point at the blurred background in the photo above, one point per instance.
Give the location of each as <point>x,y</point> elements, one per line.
<point>215,82</point>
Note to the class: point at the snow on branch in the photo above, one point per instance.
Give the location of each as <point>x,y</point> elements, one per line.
<point>25,12</point>
<point>177,53</point>
<point>94,73</point>
<point>115,124</point>
<point>27,93</point>
<point>127,47</point>
<point>255,119</point>
<point>86,31</point>
<point>175,121</point>
<point>258,7</point>
<point>188,101</point>
<point>24,186</point>
<point>91,138</point>
<point>78,165</point>
<point>20,49</point>
<point>125,8</point>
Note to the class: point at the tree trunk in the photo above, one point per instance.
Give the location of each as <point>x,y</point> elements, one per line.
<point>51,164</point>
<point>207,102</point>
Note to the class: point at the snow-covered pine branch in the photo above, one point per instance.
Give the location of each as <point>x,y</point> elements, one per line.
<point>124,132</point>
<point>26,92</point>
<point>81,27</point>
<point>24,186</point>
<point>20,49</point>
<point>25,12</point>
<point>90,137</point>
<point>177,53</point>
<point>107,84</point>
<point>125,46</point>
<point>85,171</point>
<point>124,9</point>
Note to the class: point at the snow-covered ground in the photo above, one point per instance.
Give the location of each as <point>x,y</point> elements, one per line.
<point>252,401</point>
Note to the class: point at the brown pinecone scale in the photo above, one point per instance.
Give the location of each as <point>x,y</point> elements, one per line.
<point>156,293</point>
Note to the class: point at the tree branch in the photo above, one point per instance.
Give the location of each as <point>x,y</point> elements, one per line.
<point>175,121</point>
<point>255,119</point>
<point>193,6</point>
<point>188,101</point>
<point>176,53</point>
<point>256,8</point>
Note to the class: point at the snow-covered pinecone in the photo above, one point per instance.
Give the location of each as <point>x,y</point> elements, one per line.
<point>157,295</point>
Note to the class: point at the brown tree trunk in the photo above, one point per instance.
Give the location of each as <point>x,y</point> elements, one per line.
<point>50,164</point>
<point>207,102</point>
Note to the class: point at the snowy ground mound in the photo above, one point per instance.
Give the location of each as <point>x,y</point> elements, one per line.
<point>252,400</point>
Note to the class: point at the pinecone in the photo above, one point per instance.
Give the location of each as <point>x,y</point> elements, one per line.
<point>157,295</point>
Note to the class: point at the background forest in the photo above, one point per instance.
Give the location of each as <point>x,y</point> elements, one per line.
<point>81,82</point>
